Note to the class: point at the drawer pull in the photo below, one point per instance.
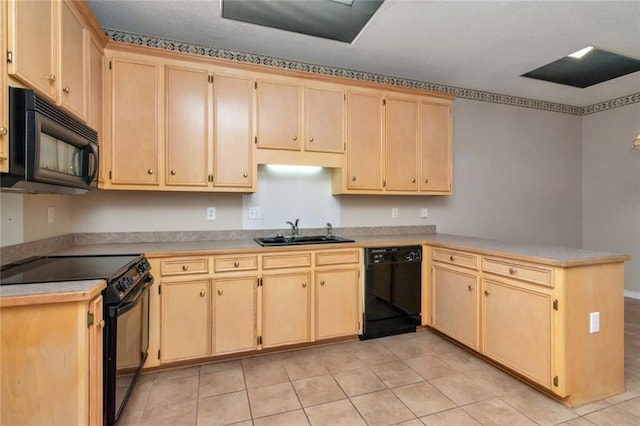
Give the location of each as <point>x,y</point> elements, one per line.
<point>220,292</point>
<point>66,90</point>
<point>486,292</point>
<point>51,78</point>
<point>451,258</point>
<point>3,131</point>
<point>150,171</point>
<point>202,293</point>
<point>512,271</point>
<point>353,178</point>
<point>245,174</point>
<point>185,267</point>
<point>236,264</point>
<point>295,138</point>
<point>304,285</point>
<point>173,172</point>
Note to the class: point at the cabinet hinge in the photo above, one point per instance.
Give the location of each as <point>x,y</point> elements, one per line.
<point>259,340</point>
<point>90,319</point>
<point>344,96</point>
<point>555,381</point>
<point>158,353</point>
<point>159,290</point>
<point>260,282</point>
<point>255,140</point>
<point>255,85</point>
<point>210,78</point>
<point>384,183</point>
<point>384,102</point>
<point>9,57</point>
<point>109,174</point>
<point>555,305</point>
<point>358,273</point>
<point>109,64</point>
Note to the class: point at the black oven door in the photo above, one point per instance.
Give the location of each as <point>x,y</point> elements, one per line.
<point>126,343</point>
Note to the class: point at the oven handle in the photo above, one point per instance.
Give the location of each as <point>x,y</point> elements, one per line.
<point>124,308</point>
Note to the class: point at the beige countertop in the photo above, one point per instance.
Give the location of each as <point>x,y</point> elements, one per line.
<point>548,255</point>
<point>54,292</point>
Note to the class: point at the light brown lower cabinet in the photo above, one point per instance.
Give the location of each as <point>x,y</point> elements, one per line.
<point>51,358</point>
<point>286,308</point>
<point>185,319</point>
<point>337,303</point>
<point>533,318</point>
<point>234,318</point>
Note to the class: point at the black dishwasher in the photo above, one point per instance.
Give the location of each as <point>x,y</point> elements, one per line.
<point>392,291</point>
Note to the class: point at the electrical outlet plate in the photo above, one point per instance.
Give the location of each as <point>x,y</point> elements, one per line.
<point>594,322</point>
<point>254,213</point>
<point>51,214</point>
<point>424,213</point>
<point>211,213</point>
<point>394,213</point>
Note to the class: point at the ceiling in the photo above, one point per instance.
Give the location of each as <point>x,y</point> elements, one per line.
<point>480,45</point>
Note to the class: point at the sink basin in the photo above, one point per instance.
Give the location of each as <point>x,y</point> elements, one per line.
<point>280,240</point>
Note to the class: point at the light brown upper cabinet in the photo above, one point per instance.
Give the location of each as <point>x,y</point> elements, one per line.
<point>233,131</point>
<point>72,61</point>
<point>435,145</point>
<point>401,144</point>
<point>135,122</point>
<point>186,126</point>
<point>364,141</point>
<point>324,119</point>
<point>4,93</point>
<point>278,109</point>
<point>49,51</point>
<point>32,44</point>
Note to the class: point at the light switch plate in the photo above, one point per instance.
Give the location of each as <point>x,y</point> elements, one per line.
<point>594,322</point>
<point>211,213</point>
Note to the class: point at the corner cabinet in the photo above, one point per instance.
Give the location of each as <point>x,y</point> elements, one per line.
<point>533,318</point>
<point>51,359</point>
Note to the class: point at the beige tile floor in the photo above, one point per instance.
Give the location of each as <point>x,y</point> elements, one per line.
<point>410,379</point>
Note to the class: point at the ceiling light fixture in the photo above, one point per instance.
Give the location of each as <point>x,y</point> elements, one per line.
<point>636,143</point>
<point>580,53</point>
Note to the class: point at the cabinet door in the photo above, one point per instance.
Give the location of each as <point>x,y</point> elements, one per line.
<point>4,93</point>
<point>32,43</point>
<point>135,114</point>
<point>455,304</point>
<point>324,119</point>
<point>72,61</point>
<point>278,115</point>
<point>185,320</point>
<point>435,146</point>
<point>401,144</point>
<point>286,308</point>
<point>337,303</point>
<point>516,329</point>
<point>235,314</point>
<point>364,141</point>
<point>233,130</point>
<point>186,120</point>
<point>95,362</point>
<point>95,80</point>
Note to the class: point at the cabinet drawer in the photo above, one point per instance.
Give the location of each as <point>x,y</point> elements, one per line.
<point>525,272</point>
<point>289,260</point>
<point>235,263</point>
<point>337,257</point>
<point>185,266</point>
<point>453,257</point>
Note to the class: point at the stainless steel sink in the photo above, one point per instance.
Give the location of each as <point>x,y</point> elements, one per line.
<point>280,240</point>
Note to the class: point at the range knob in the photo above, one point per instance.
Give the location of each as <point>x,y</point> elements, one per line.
<point>120,285</point>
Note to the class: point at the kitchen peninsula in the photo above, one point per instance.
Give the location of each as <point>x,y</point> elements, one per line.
<point>526,308</point>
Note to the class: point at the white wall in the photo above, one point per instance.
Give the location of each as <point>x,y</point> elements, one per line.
<point>611,186</point>
<point>25,218</point>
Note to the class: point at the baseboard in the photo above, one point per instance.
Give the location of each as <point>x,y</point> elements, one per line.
<point>632,294</point>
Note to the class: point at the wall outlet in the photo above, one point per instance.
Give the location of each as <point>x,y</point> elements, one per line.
<point>254,213</point>
<point>211,213</point>
<point>394,213</point>
<point>594,322</point>
<point>51,214</point>
<point>424,213</point>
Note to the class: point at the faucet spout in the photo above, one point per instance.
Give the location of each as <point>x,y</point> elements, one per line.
<point>329,230</point>
<point>294,227</point>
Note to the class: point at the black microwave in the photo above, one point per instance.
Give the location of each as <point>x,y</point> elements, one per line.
<point>49,151</point>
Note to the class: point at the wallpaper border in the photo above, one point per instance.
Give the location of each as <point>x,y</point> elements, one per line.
<point>477,95</point>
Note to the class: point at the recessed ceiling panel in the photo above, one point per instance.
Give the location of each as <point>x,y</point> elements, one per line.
<point>340,20</point>
<point>595,67</point>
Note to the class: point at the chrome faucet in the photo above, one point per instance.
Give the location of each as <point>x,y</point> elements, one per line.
<point>329,230</point>
<point>294,227</point>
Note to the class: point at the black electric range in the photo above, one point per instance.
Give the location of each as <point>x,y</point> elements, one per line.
<point>122,272</point>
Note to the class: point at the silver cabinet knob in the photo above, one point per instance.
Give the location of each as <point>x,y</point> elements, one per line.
<point>486,292</point>
<point>185,267</point>
<point>173,172</point>
<point>304,285</point>
<point>512,271</point>
<point>353,178</point>
<point>66,90</point>
<point>295,138</point>
<point>322,283</point>
<point>150,171</point>
<point>310,139</point>
<point>202,293</point>
<point>220,292</point>
<point>236,264</point>
<point>51,78</point>
<point>3,131</point>
<point>245,174</point>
